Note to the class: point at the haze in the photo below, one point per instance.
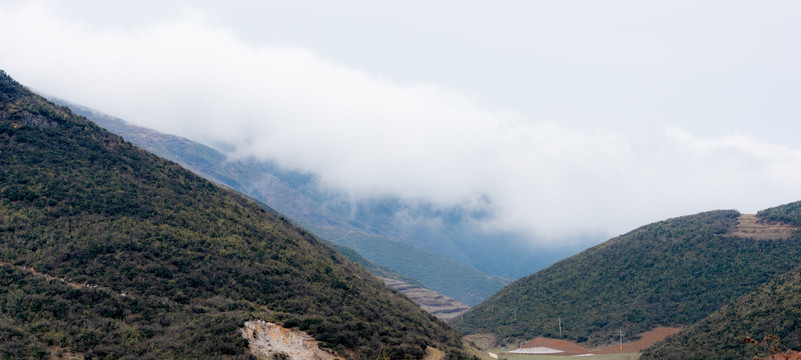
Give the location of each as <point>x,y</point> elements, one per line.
<point>558,117</point>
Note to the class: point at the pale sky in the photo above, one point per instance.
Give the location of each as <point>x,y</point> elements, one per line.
<point>567,116</point>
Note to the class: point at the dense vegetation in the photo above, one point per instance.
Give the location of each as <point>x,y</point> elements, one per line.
<point>82,205</point>
<point>671,273</point>
<point>772,309</point>
<point>789,213</point>
<point>297,196</point>
<point>373,268</point>
<point>43,316</point>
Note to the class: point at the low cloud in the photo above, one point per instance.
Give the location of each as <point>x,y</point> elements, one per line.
<point>371,137</point>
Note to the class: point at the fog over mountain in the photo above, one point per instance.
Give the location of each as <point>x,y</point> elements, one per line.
<point>553,119</point>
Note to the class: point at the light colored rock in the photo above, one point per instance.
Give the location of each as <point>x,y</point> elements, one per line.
<point>267,339</point>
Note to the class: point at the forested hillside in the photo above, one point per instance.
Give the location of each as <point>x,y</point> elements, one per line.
<point>297,196</point>
<point>772,309</point>
<point>670,273</point>
<point>109,251</point>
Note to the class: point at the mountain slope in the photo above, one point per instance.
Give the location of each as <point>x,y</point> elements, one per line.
<point>772,309</point>
<point>440,305</point>
<point>296,196</point>
<point>670,273</point>
<point>161,248</point>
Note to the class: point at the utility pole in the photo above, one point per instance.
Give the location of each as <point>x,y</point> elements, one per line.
<point>560,326</point>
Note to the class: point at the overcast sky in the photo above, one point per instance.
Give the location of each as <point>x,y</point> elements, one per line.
<point>568,116</point>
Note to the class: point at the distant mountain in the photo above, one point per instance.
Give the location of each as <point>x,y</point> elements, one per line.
<point>107,251</point>
<point>328,216</point>
<point>437,304</point>
<point>773,308</point>
<point>670,273</point>
<point>453,233</point>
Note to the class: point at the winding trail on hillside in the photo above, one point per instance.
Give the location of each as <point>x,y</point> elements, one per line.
<point>344,236</point>
<point>33,271</point>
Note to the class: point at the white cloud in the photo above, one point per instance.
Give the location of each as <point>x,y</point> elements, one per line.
<point>369,136</point>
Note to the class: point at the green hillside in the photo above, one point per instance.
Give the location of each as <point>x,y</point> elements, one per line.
<point>112,252</point>
<point>772,309</point>
<point>670,273</point>
<point>375,269</point>
<point>290,194</point>
<point>427,268</point>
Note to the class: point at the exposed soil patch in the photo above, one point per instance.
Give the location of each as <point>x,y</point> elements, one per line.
<point>749,226</point>
<point>483,341</point>
<point>787,355</point>
<point>566,347</point>
<point>268,340</point>
<point>569,348</point>
<point>646,340</point>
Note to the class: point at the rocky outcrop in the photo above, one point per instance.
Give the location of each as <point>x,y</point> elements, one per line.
<point>272,341</point>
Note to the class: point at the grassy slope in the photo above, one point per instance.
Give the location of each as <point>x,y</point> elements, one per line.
<point>772,309</point>
<point>278,189</point>
<point>670,273</point>
<point>81,204</point>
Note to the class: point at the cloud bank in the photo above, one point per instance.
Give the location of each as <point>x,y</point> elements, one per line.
<point>371,137</point>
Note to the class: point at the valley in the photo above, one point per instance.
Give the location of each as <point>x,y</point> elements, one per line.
<point>329,216</point>
<point>549,348</point>
<point>111,252</point>
<point>400,180</point>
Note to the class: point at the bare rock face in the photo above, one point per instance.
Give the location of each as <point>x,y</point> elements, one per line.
<point>272,341</point>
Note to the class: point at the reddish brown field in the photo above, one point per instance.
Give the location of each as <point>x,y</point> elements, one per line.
<point>646,340</point>
<point>571,348</point>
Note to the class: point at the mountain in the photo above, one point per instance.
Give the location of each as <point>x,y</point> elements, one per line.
<point>108,251</point>
<point>671,273</point>
<point>773,309</point>
<point>437,304</point>
<point>451,232</point>
<point>328,216</point>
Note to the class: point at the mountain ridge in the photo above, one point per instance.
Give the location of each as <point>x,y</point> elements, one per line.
<point>771,309</point>
<point>669,273</point>
<point>180,263</point>
<point>283,191</point>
